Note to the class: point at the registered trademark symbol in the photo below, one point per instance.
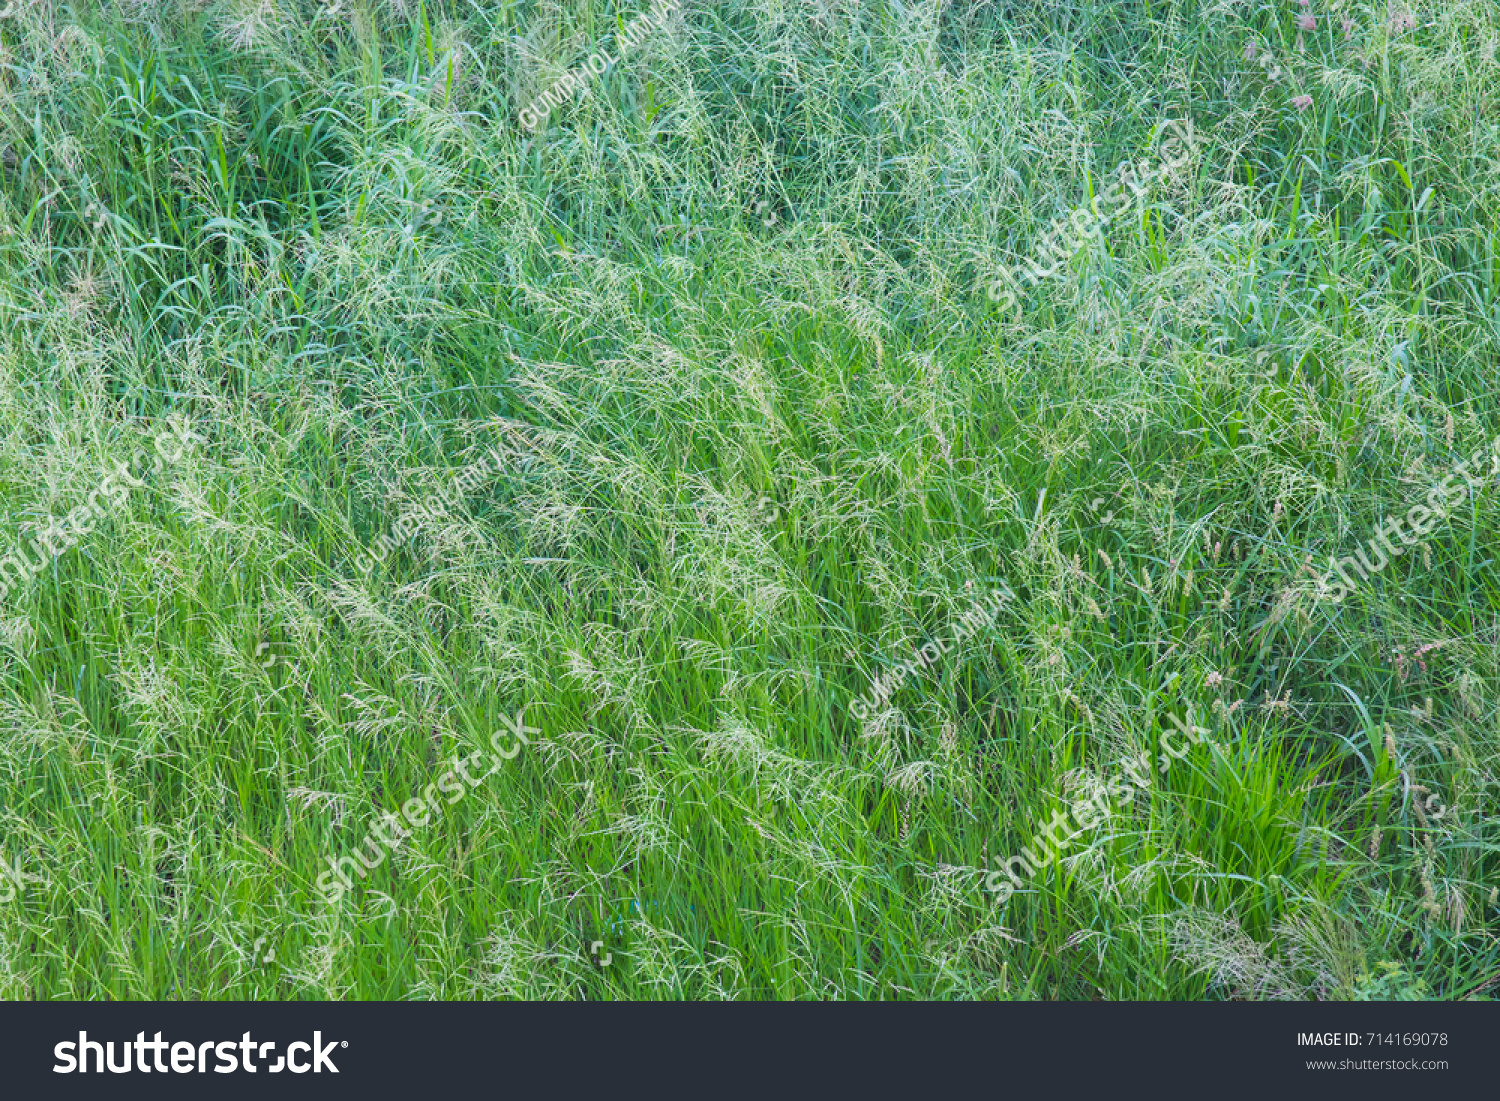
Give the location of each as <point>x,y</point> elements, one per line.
<point>345,1043</point>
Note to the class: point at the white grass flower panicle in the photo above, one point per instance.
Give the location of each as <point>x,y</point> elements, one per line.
<point>250,25</point>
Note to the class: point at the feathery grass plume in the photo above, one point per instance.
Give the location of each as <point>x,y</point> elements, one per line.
<point>1215,944</point>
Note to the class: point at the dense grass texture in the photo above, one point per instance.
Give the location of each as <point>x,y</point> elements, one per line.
<point>755,434</point>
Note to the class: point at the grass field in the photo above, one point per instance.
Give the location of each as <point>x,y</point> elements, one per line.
<point>644,452</point>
